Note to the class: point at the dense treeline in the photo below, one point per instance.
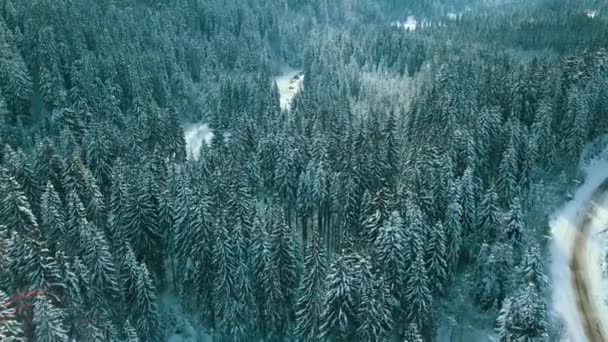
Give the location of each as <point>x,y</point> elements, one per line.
<point>407,182</point>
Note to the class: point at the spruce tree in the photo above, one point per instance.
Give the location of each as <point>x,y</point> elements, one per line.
<point>11,330</point>
<point>52,218</point>
<point>130,333</point>
<point>531,269</point>
<point>19,167</point>
<point>142,221</point>
<point>390,249</point>
<point>468,201</point>
<point>309,305</point>
<point>117,220</point>
<point>15,210</point>
<point>508,174</point>
<point>340,307</point>
<point>224,267</point>
<point>147,317</point>
<point>524,317</point>
<point>418,297</point>
<point>453,225</point>
<point>100,262</point>
<point>412,334</point>
<point>48,321</point>
<point>374,314</point>
<point>488,222</point>
<point>514,225</point>
<point>285,257</point>
<point>436,256</point>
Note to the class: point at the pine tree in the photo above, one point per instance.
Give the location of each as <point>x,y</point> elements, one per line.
<point>412,334</point>
<point>488,287</point>
<point>514,224</point>
<point>95,203</point>
<point>97,153</point>
<point>52,218</point>
<point>147,316</point>
<point>224,267</point>
<point>285,257</point>
<point>176,146</point>
<point>19,167</point>
<point>118,201</point>
<point>309,306</point>
<point>469,203</point>
<point>542,130</point>
<point>531,269</point>
<point>48,321</point>
<point>418,298</point>
<point>269,297</point>
<point>48,166</point>
<point>75,221</point>
<point>390,250</point>
<point>488,216</point>
<point>241,313</point>
<point>507,175</point>
<point>340,309</point>
<point>436,256</point>
<point>504,321</point>
<point>374,310</point>
<point>101,265</point>
<point>11,329</point>
<point>15,210</point>
<point>415,232</point>
<point>128,277</point>
<point>453,225</point>
<point>524,317</point>
<point>142,222</point>
<point>130,333</point>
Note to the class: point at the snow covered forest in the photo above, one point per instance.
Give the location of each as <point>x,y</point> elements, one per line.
<point>401,193</point>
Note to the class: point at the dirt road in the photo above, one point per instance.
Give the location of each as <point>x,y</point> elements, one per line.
<point>584,302</point>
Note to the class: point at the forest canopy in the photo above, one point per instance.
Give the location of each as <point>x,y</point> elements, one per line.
<point>405,189</point>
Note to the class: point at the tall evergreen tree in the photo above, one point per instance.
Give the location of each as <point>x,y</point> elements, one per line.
<point>390,260</point>
<point>48,321</point>
<point>52,218</point>
<point>340,309</point>
<point>309,306</point>
<point>488,222</point>
<point>147,317</point>
<point>418,295</point>
<point>11,329</point>
<point>436,256</point>
<point>15,210</point>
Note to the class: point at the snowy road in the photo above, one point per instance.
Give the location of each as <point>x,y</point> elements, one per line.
<point>578,267</point>
<point>578,285</point>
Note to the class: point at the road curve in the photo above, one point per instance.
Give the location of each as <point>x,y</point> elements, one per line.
<point>578,261</point>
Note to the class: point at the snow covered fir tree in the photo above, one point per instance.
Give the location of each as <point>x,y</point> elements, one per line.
<point>290,170</point>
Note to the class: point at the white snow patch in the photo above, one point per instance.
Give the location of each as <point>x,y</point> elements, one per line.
<point>289,83</point>
<point>454,16</point>
<point>591,13</point>
<point>195,135</point>
<point>564,224</point>
<point>410,24</point>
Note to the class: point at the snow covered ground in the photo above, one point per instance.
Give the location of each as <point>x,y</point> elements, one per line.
<point>195,135</point>
<point>564,227</point>
<point>410,24</point>
<point>591,13</point>
<point>289,83</point>
<point>182,328</point>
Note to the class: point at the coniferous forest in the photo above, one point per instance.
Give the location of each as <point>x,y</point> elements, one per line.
<point>402,195</point>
